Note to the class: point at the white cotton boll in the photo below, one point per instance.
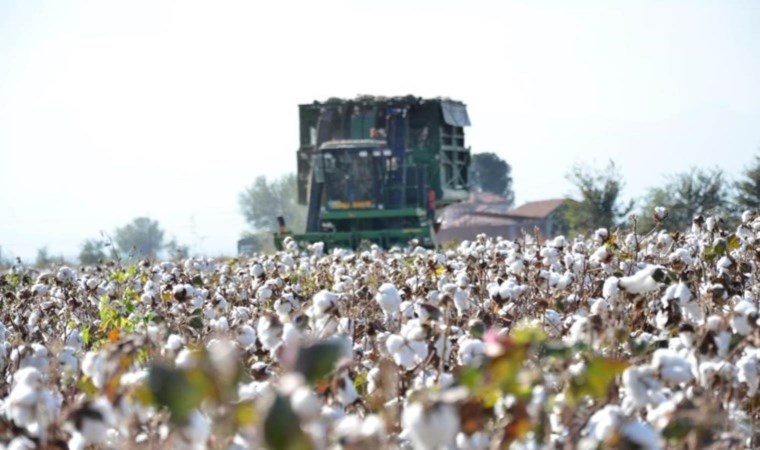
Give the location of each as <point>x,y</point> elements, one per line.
<point>220,325</point>
<point>95,424</point>
<point>475,441</point>
<point>709,370</point>
<point>638,386</point>
<point>34,317</point>
<point>610,290</point>
<point>430,426</point>
<point>471,352</point>
<point>256,270</point>
<point>642,434</point>
<point>269,331</point>
<point>558,242</point>
<point>740,322</point>
<point>253,390</point>
<point>197,430</point>
<point>517,267</point>
<point>600,255</point>
<point>442,347</point>
<point>400,351</point>
<point>93,366</point>
<point>37,357</point>
<point>283,308</point>
<point>552,323</point>
<point>186,359</point>
<point>346,393</point>
<point>324,302</point>
<point>604,422</point>
<point>564,280</point>
<point>671,366</point>
<point>599,306</point>
<point>722,342</point>
<point>389,300</point>
<point>21,404</point>
<point>241,314</point>
<point>305,403</point>
<point>749,371</point>
<point>407,309</point>
<point>579,332</point>
<point>68,361</point>
<point>290,334</point>
<point>246,336</point>
<point>73,340</point>
<point>642,281</point>
<point>461,302</point>
<point>174,342</point>
<point>462,281</point>
<point>373,380</point>
<point>348,428</point>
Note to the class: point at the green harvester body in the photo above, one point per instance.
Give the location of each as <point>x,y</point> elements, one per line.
<point>376,169</point>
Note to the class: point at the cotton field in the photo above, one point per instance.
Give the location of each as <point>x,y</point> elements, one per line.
<point>610,340</point>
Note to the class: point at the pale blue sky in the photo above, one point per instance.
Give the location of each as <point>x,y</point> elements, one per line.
<point>111,110</point>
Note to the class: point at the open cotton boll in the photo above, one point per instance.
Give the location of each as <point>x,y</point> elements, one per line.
<point>305,403</point>
<point>470,352</point>
<point>92,422</point>
<point>269,331</point>
<point>741,321</point>
<point>389,300</point>
<point>197,430</point>
<point>641,389</point>
<point>604,422</point>
<point>246,336</point>
<point>324,302</point>
<point>461,302</point>
<point>93,366</point>
<point>749,370</point>
<point>430,426</point>
<point>174,342</point>
<point>671,366</point>
<point>645,280</point>
<point>610,289</point>
<point>641,434</point>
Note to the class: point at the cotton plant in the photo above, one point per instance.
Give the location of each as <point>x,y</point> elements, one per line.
<point>619,337</point>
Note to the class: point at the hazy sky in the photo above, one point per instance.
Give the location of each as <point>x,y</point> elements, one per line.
<point>112,110</point>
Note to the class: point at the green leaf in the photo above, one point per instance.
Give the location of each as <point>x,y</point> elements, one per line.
<point>86,335</point>
<point>677,429</point>
<point>317,360</point>
<point>197,323</point>
<point>180,391</point>
<point>529,334</point>
<point>595,378</point>
<point>197,281</point>
<point>282,430</point>
<point>733,242</point>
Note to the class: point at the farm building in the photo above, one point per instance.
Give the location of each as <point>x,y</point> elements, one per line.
<point>490,214</point>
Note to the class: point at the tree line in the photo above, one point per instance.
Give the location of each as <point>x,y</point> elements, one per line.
<point>595,203</point>
<point>685,195</point>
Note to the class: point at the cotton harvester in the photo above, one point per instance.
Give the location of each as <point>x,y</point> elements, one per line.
<point>377,169</point>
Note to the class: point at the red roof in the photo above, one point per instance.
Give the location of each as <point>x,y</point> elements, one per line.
<point>537,210</point>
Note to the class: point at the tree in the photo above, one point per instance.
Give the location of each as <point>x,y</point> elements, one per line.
<point>177,251</point>
<point>489,173</point>
<point>748,188</point>
<point>92,252</point>
<point>688,194</point>
<point>597,204</point>
<point>43,257</point>
<point>263,201</point>
<point>142,237</point>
